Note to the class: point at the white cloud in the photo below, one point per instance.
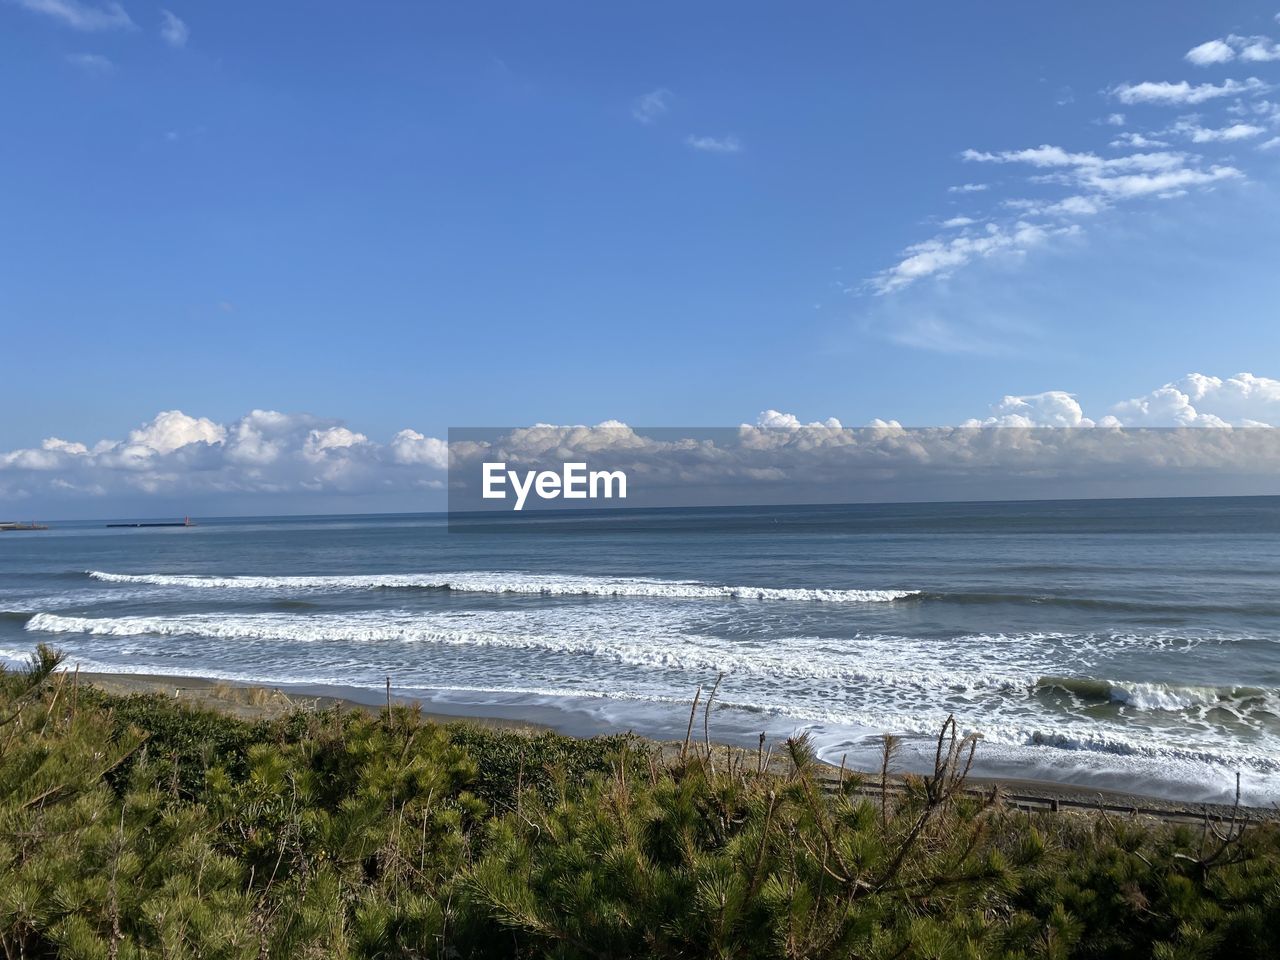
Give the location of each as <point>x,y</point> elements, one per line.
<point>1249,49</point>
<point>1046,156</point>
<point>1137,141</point>
<point>1053,408</point>
<point>91,63</point>
<point>1210,52</point>
<point>1199,134</point>
<point>411,447</point>
<point>1198,400</point>
<point>263,452</point>
<point>1165,92</point>
<point>773,420</point>
<point>728,144</point>
<point>173,30</point>
<point>1096,182</point>
<point>1100,182</point>
<point>262,436</point>
<point>780,458</point>
<point>1134,175</point>
<point>1041,156</point>
<point>323,442</point>
<point>940,256</point>
<point>173,429</point>
<point>1162,184</point>
<point>1076,206</point>
<point>1266,109</point>
<point>1259,49</point>
<point>292,456</point>
<point>650,107</point>
<point>81,16</point>
<point>64,446</point>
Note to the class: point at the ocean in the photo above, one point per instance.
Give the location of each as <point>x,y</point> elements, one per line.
<point>1123,644</point>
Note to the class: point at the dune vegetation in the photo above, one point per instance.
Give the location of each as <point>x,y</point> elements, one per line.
<point>137,827</point>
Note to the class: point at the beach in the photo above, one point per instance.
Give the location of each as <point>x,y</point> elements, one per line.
<point>251,702</point>
<point>1060,632</point>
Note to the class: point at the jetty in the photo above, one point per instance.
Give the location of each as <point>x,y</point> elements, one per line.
<point>15,525</point>
<point>184,522</point>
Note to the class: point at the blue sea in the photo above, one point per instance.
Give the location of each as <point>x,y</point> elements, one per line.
<point>1130,644</point>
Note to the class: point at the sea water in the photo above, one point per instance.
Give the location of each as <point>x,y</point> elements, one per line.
<point>1131,644</point>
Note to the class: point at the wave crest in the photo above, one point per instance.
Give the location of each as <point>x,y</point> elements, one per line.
<point>512,583</point>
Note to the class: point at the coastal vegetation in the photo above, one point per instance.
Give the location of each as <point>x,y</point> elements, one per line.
<point>136,827</point>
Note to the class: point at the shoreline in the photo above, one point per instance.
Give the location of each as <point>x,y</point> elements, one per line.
<point>250,701</point>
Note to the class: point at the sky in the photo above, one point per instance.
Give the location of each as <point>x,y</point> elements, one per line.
<point>303,234</point>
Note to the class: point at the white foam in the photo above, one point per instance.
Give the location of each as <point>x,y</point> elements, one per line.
<point>796,658</point>
<point>879,682</point>
<point>1000,668</point>
<point>513,583</point>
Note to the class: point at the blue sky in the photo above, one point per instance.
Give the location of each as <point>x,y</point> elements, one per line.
<point>417,215</point>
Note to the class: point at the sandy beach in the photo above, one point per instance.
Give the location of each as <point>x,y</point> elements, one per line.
<point>252,702</point>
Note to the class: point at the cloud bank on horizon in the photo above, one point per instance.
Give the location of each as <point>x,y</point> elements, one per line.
<point>1049,192</point>
<point>288,456</point>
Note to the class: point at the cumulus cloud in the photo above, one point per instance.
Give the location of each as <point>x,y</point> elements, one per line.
<point>320,442</point>
<point>1053,408</point>
<point>1198,400</point>
<point>652,106</point>
<point>728,144</point>
<point>81,16</point>
<point>1045,446</point>
<point>54,445</point>
<point>411,447</point>
<point>287,457</point>
<point>774,420</point>
<point>969,188</point>
<point>264,452</point>
<point>173,30</point>
<point>173,429</point>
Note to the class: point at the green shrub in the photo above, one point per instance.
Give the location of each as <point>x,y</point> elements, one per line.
<point>136,827</point>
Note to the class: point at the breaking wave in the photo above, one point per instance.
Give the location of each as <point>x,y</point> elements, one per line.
<point>1158,696</point>
<point>883,662</point>
<point>513,583</point>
